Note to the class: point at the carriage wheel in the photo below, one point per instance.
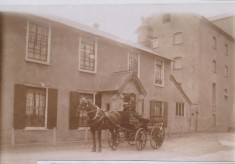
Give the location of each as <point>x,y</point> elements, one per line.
<point>110,139</point>
<point>129,137</point>
<point>157,136</point>
<point>140,139</point>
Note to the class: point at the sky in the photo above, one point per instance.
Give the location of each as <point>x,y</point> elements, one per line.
<point>119,19</point>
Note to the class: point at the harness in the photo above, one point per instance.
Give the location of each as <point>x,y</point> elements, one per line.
<point>97,114</point>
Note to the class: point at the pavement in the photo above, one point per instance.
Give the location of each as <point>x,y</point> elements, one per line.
<point>197,147</point>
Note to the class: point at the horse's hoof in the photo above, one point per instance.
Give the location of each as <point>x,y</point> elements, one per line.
<point>93,150</point>
<point>99,150</point>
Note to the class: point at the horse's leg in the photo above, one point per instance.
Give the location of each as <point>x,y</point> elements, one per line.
<point>93,139</point>
<point>99,139</point>
<point>117,137</point>
<point>114,146</point>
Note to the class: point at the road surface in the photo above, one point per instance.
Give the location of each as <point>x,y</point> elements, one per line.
<point>191,147</point>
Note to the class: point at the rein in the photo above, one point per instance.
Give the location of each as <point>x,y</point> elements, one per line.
<point>96,114</point>
<point>94,110</point>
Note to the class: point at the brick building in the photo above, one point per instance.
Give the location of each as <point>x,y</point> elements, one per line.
<point>203,63</point>
<point>47,64</point>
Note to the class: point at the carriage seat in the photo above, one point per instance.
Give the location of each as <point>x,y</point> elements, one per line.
<point>158,120</point>
<point>144,120</point>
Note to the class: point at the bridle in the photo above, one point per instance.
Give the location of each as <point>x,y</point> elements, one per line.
<point>97,109</point>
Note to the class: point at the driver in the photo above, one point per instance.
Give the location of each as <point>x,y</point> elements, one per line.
<point>131,106</point>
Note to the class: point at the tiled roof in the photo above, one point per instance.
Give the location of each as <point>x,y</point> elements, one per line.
<point>181,90</point>
<point>102,34</point>
<point>117,81</point>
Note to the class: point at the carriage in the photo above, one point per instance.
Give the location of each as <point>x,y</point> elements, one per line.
<point>135,130</point>
<point>138,132</point>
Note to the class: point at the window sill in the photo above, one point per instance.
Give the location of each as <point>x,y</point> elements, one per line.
<point>86,71</point>
<point>35,128</point>
<point>37,61</point>
<point>179,117</point>
<point>177,44</point>
<point>158,85</point>
<point>176,69</point>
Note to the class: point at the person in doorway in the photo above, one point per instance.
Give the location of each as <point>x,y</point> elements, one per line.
<point>131,106</point>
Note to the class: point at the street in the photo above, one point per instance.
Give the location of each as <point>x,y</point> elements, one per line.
<point>189,147</point>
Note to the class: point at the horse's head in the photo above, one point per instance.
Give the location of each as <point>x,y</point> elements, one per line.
<point>86,105</point>
<point>83,103</point>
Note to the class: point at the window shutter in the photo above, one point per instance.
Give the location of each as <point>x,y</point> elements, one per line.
<point>52,108</point>
<point>74,102</point>
<point>165,113</point>
<point>152,102</point>
<point>19,120</point>
<point>98,100</point>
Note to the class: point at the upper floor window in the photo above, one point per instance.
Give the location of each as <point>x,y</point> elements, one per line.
<point>178,38</point>
<point>226,71</point>
<point>166,18</point>
<point>159,73</point>
<point>226,50</point>
<point>88,55</point>
<point>133,62</point>
<point>226,94</point>
<point>180,109</point>
<point>155,42</point>
<point>177,63</point>
<point>38,40</point>
<point>214,66</point>
<point>214,42</point>
<point>213,93</point>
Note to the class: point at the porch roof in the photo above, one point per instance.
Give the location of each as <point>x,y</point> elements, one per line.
<point>117,81</point>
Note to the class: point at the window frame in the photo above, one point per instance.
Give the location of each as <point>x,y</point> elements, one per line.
<point>226,50</point>
<point>166,18</point>
<point>138,62</point>
<point>47,62</point>
<point>214,42</point>
<point>153,42</point>
<point>214,66</point>
<point>95,53</point>
<point>180,109</point>
<point>46,108</point>
<point>226,71</point>
<point>226,95</point>
<point>162,72</point>
<point>176,41</point>
<point>175,63</point>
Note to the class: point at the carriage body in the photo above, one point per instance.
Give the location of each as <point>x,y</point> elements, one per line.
<point>135,131</point>
<point>138,133</point>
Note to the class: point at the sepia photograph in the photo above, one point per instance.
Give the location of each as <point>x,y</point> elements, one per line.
<point>128,82</point>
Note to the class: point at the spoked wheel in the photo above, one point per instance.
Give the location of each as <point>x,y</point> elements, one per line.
<point>140,139</point>
<point>129,137</point>
<point>157,137</point>
<point>110,139</point>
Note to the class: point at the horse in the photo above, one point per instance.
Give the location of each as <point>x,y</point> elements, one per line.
<point>99,120</point>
